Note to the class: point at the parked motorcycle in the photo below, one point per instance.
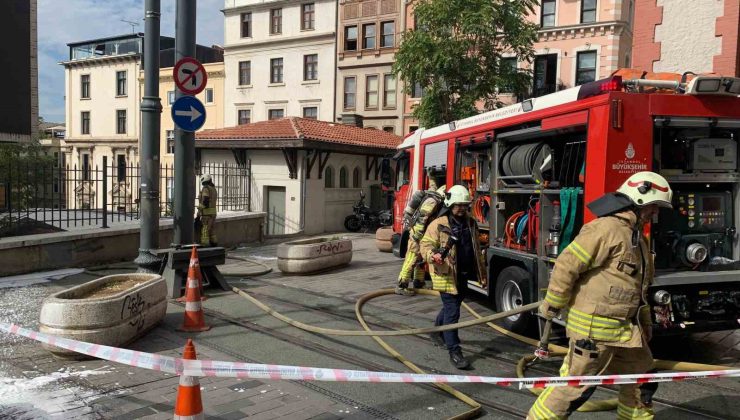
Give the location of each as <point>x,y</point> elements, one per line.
<point>365,218</point>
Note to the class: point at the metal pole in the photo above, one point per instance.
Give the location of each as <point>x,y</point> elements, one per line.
<point>151,110</point>
<point>184,141</point>
<point>105,191</point>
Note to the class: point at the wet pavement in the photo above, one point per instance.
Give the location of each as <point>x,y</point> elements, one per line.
<point>33,384</point>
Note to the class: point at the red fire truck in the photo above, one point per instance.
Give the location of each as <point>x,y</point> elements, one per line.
<point>532,166</point>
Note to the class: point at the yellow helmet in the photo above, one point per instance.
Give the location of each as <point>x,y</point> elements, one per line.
<point>645,188</point>
<point>457,195</point>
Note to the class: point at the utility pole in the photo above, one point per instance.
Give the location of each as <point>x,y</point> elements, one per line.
<point>184,141</point>
<point>151,110</point>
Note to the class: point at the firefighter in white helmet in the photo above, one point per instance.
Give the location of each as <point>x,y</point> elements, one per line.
<point>207,201</point>
<point>451,248</point>
<point>601,279</point>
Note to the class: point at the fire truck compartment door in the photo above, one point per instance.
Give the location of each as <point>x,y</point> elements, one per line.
<point>435,154</point>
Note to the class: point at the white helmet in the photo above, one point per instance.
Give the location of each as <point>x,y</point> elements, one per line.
<point>457,195</point>
<point>645,188</point>
<point>205,178</point>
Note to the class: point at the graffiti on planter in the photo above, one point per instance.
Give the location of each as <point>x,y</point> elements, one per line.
<point>331,248</point>
<point>133,308</point>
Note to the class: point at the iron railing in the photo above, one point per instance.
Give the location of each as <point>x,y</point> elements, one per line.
<point>45,198</point>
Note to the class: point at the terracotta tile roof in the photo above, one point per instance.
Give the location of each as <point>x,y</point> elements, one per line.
<point>294,128</point>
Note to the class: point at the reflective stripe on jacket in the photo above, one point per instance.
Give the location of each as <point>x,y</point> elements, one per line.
<point>444,276</point>
<point>603,280</point>
<point>210,192</point>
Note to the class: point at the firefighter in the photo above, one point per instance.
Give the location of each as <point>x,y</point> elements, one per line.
<point>207,200</point>
<point>602,279</point>
<point>450,246</point>
<point>417,220</point>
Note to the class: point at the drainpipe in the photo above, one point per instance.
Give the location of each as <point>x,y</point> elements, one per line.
<point>336,59</point>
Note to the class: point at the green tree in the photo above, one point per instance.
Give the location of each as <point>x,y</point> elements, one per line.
<point>455,54</point>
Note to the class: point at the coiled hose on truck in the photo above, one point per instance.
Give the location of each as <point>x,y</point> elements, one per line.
<point>555,350</point>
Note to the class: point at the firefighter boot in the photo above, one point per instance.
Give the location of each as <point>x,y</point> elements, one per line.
<point>458,360</point>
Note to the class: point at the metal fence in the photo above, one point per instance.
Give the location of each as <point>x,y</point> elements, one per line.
<point>47,197</point>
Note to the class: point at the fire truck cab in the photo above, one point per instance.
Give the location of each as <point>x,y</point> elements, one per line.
<point>532,166</point>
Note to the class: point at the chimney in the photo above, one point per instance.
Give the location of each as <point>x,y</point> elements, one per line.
<point>352,119</point>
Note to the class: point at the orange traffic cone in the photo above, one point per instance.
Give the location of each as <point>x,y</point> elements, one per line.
<point>189,405</point>
<point>198,274</point>
<point>194,319</point>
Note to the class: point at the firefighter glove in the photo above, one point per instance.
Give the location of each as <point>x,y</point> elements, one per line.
<point>547,311</point>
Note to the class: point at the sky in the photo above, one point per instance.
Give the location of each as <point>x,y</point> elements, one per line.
<point>63,21</point>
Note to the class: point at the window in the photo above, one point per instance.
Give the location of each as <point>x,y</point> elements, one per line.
<point>171,97</point>
<point>371,92</point>
<point>276,70</point>
<point>245,73</point>
<point>311,67</point>
<point>170,141</point>
<point>545,74</point>
<point>209,95</point>
<point>329,177</point>
<point>508,66</point>
<point>588,11</point>
<point>85,126</point>
<point>356,178</point>
<point>275,114</point>
<point>343,182</point>
<point>585,67</point>
<point>627,61</point>
<point>276,21</point>
<point>244,116</point>
<point>121,167</point>
<point>307,13</point>
<point>85,167</point>
<point>311,112</point>
<point>417,91</point>
<point>368,36</point>
<point>413,128</point>
<point>121,121</point>
<point>548,13</point>
<point>389,129</point>
<point>350,88</point>
<point>389,91</point>
<point>85,86</point>
<point>387,34</point>
<point>56,159</point>
<point>246,19</point>
<point>350,38</point>
<point>121,83</point>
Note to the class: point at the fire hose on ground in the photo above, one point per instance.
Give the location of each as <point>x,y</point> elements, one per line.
<point>523,363</point>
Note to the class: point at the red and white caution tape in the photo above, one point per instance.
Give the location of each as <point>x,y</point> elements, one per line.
<point>282,372</point>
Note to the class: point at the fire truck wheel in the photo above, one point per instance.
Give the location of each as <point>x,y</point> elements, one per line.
<point>512,291</point>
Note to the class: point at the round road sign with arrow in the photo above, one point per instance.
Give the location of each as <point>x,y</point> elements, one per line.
<point>190,76</point>
<point>188,113</point>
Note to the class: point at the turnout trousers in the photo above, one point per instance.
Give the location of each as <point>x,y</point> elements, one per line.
<point>207,236</point>
<point>411,270</point>
<point>635,400</point>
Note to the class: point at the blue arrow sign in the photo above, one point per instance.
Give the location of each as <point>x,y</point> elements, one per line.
<point>188,113</point>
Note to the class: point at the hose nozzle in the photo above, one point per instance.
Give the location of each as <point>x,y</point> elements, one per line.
<point>543,351</point>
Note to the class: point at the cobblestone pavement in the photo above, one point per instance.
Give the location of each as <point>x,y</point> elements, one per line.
<point>33,384</point>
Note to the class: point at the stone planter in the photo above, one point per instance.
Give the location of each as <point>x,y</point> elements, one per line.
<point>383,239</point>
<point>112,310</point>
<point>313,255</point>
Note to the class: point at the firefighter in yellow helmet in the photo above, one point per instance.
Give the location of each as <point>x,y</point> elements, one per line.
<point>601,279</point>
<point>450,245</point>
<point>207,201</point>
